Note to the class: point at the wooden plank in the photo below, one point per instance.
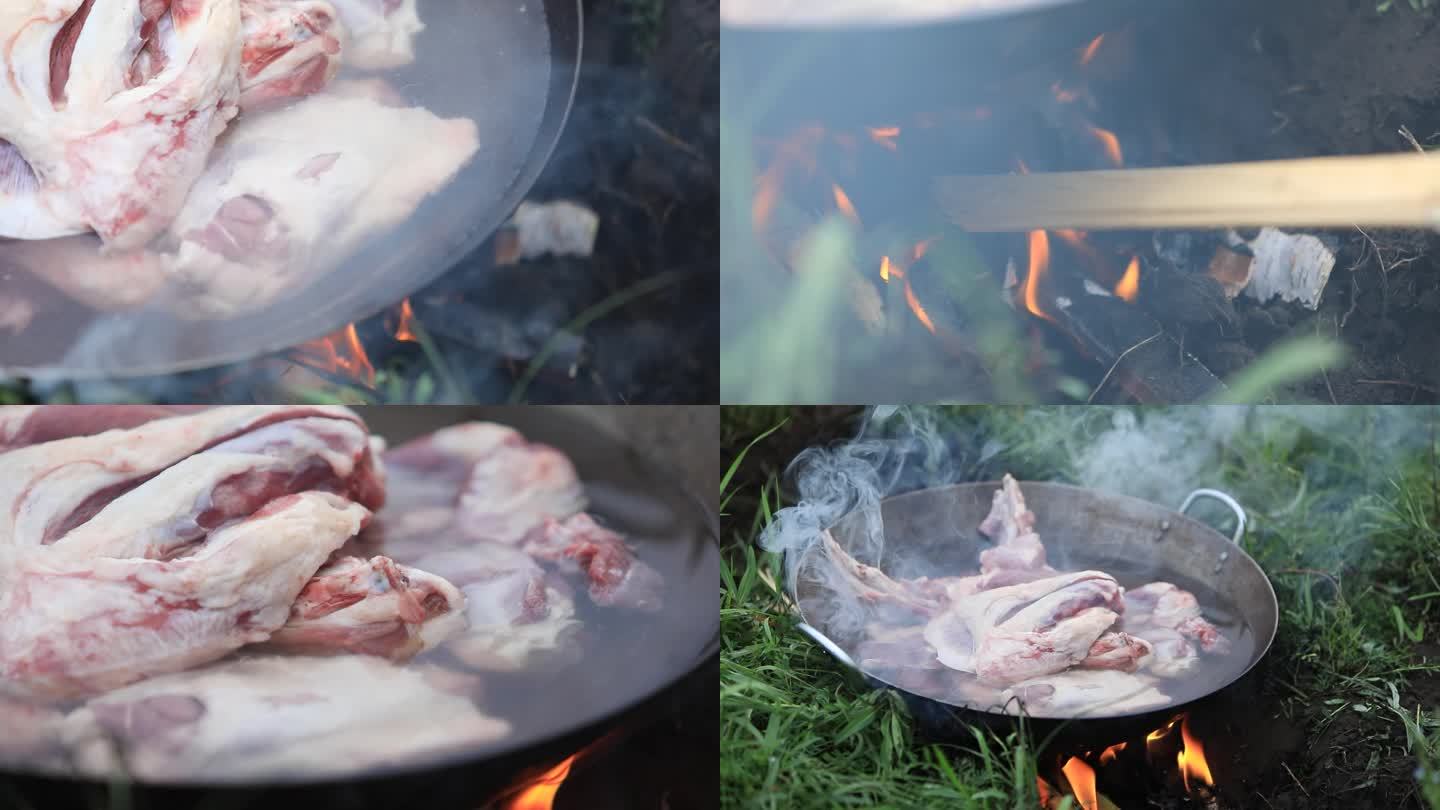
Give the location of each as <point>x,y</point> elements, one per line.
<point>1399,190</point>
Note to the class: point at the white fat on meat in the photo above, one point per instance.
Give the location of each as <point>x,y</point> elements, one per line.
<point>292,193</point>
<point>1081,692</point>
<point>77,625</point>
<point>275,716</point>
<point>1009,634</point>
<point>382,32</point>
<point>113,107</point>
<point>1167,606</point>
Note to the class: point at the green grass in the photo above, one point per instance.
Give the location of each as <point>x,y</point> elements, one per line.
<point>1345,523</point>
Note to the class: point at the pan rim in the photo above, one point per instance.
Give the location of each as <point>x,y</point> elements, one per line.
<point>1236,552</point>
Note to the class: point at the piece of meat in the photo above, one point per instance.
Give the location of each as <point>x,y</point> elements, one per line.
<point>293,48</point>
<point>294,192</point>
<point>617,578</point>
<point>374,607</point>
<point>382,31</point>
<point>110,109</point>
<point>1163,605</point>
<point>32,735</point>
<point>1120,651</point>
<point>923,597</point>
<point>888,647</point>
<point>1086,692</point>
<point>79,267</point>
<point>71,626</point>
<point>130,552</point>
<point>1018,555</point>
<point>278,716</point>
<point>1006,635</point>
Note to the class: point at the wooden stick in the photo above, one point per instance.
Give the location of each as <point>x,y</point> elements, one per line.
<point>1399,190</point>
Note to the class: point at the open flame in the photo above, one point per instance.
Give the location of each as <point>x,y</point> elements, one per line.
<point>540,794</point>
<point>1090,50</point>
<point>1191,758</point>
<point>405,330</point>
<point>1082,782</point>
<point>1039,263</point>
<point>1109,143</point>
<point>885,136</point>
<point>1109,754</point>
<point>1128,287</point>
<point>342,353</point>
<point>842,202</point>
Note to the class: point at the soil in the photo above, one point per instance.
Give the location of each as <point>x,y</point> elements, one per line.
<point>1292,78</point>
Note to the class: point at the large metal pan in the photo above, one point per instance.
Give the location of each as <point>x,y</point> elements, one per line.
<point>1132,539</point>
<point>511,67</point>
<point>640,477</point>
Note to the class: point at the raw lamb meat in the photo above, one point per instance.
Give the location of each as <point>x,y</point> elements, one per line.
<point>24,425</point>
<point>295,191</point>
<point>1006,635</point>
<point>383,32</point>
<point>617,578</point>
<point>292,49</point>
<point>374,607</point>
<point>1078,692</point>
<point>275,716</point>
<point>136,552</point>
<point>1163,605</point>
<point>109,110</point>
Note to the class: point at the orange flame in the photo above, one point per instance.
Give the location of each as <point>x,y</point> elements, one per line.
<point>1191,758</point>
<point>842,201</point>
<point>887,270</point>
<point>1091,49</point>
<point>1160,733</point>
<point>540,795</point>
<point>920,313</point>
<point>1082,782</point>
<point>1047,793</point>
<point>1110,144</point>
<point>1109,754</point>
<point>405,331</point>
<point>1039,263</point>
<point>1063,95</point>
<point>767,191</point>
<point>885,136</point>
<point>1129,285</point>
<point>342,353</point>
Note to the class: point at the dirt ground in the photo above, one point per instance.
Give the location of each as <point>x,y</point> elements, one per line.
<point>1294,78</point>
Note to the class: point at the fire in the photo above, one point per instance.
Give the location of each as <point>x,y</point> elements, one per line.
<point>540,795</point>
<point>885,136</point>
<point>766,193</point>
<point>1109,754</point>
<point>405,331</point>
<point>1039,262</point>
<point>1109,143</point>
<point>1091,49</point>
<point>1062,94</point>
<point>343,353</point>
<point>920,313</point>
<point>887,270</point>
<point>1082,782</point>
<point>1191,758</point>
<point>1129,285</point>
<point>842,202</point>
<point>1160,733</point>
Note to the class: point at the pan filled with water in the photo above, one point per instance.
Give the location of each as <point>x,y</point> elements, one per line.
<point>1086,606</point>
<point>367,609</point>
<point>187,185</point>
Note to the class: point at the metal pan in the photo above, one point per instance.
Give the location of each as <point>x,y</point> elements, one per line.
<point>877,71</point>
<point>511,67</point>
<point>1082,529</point>
<point>635,665</point>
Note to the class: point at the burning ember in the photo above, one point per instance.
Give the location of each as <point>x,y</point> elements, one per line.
<point>540,794</point>
<point>341,353</point>
<point>1085,774</point>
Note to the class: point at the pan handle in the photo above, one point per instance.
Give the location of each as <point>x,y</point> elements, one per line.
<point>1224,498</point>
<point>830,646</point>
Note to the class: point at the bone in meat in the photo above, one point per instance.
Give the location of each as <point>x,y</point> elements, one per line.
<point>1018,555</point>
<point>270,716</point>
<point>1009,634</point>
<point>617,577</point>
<point>375,607</point>
<point>293,48</point>
<point>113,107</point>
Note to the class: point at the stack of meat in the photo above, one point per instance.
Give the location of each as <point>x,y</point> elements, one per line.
<point>197,154</point>
<point>1062,643</point>
<point>171,580</point>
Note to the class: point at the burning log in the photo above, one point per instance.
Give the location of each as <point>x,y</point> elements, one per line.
<point>1400,190</point>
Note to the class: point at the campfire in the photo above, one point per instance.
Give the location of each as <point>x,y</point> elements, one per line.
<point>540,793</point>
<point>1170,758</point>
<point>1103,314</point>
